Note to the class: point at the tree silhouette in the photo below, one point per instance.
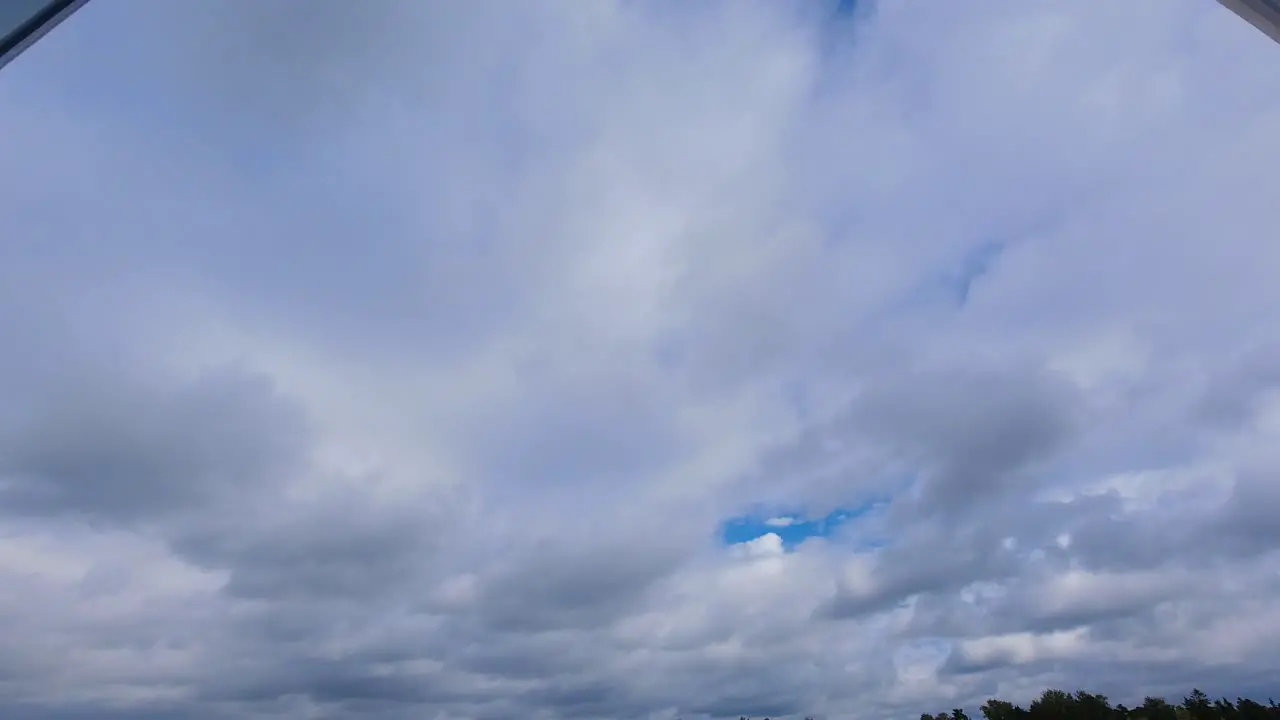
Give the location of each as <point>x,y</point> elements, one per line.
<point>1054,704</point>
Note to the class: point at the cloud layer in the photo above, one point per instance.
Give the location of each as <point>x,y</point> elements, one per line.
<point>405,359</point>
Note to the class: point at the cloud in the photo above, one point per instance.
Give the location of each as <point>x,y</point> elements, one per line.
<point>374,362</point>
<point>119,453</point>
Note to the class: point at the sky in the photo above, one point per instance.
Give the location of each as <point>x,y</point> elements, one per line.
<point>625,359</point>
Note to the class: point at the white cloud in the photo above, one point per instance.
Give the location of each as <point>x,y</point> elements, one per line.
<point>767,545</point>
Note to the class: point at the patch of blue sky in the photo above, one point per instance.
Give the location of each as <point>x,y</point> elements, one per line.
<point>976,263</point>
<point>852,8</point>
<point>793,528</point>
<point>837,36</point>
<point>952,286</point>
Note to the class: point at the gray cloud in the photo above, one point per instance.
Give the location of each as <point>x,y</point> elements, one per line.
<point>971,433</point>
<point>552,588</point>
<point>124,454</point>
<point>402,360</point>
<point>345,551</point>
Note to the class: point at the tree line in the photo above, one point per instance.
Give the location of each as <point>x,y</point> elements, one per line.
<point>1062,705</point>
